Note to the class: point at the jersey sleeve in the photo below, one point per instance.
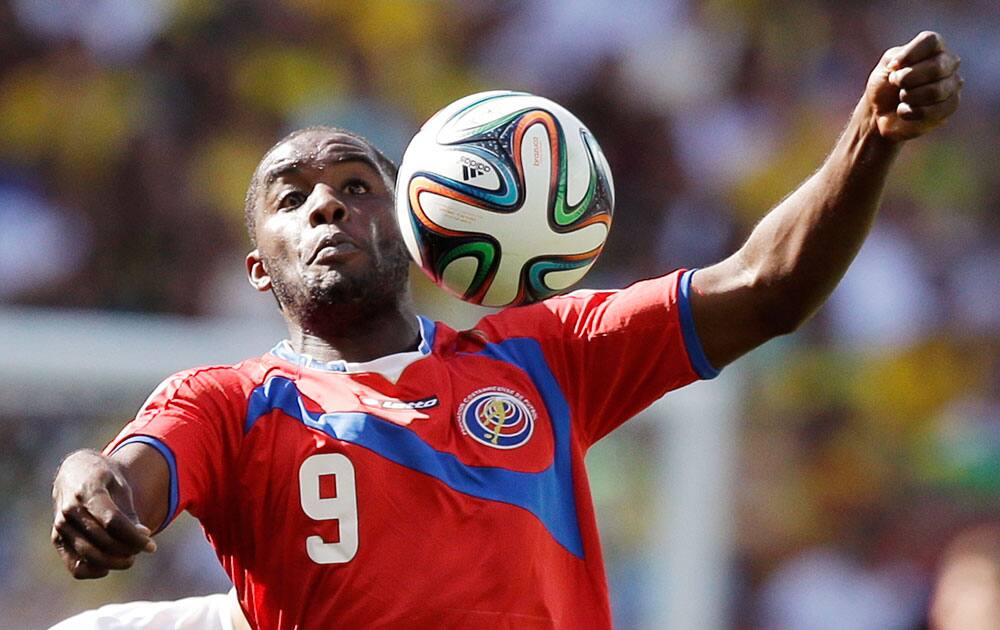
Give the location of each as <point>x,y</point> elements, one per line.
<point>614,352</point>
<point>194,420</point>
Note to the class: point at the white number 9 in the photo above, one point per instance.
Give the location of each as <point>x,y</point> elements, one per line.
<point>343,506</point>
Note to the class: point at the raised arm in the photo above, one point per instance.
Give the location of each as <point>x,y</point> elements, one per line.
<point>102,505</point>
<point>799,251</point>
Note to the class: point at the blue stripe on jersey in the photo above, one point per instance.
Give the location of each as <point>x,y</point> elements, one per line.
<point>173,497</point>
<point>695,352</point>
<point>427,330</point>
<point>548,494</point>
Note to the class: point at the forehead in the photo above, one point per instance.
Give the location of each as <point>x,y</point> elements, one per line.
<point>315,150</point>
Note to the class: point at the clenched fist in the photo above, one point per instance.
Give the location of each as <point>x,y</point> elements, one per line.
<point>95,528</point>
<point>914,88</point>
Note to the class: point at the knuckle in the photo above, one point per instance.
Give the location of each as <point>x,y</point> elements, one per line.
<point>106,518</point>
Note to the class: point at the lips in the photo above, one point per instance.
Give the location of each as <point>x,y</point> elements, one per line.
<point>331,247</point>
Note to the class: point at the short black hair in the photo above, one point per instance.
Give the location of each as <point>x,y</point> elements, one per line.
<point>386,166</point>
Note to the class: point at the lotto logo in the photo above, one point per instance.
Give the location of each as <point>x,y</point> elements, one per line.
<point>423,403</point>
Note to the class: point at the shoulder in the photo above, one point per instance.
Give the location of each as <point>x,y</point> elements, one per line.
<point>585,314</point>
<point>209,382</point>
<point>553,317</point>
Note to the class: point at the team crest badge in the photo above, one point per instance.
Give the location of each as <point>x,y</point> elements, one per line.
<point>498,417</point>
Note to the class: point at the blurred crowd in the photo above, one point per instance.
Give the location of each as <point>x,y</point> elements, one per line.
<point>870,439</point>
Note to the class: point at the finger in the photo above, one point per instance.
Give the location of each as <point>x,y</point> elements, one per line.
<point>930,113</point>
<point>74,563</point>
<point>134,536</point>
<point>64,549</point>
<point>924,45</point>
<point>931,93</point>
<point>84,571</point>
<point>95,532</point>
<point>927,71</point>
<point>890,54</point>
<point>88,553</point>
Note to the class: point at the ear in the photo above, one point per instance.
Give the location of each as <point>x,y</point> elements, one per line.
<point>256,273</point>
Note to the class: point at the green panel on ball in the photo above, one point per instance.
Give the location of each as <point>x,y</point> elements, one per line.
<point>482,251</point>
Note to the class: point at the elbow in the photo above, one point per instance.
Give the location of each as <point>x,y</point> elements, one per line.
<point>779,321</point>
<point>781,308</point>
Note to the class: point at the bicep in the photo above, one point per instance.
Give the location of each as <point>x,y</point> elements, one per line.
<point>147,473</point>
<point>728,315</point>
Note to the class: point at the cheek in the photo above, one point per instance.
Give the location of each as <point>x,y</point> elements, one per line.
<point>284,232</point>
<point>387,227</point>
<point>278,243</point>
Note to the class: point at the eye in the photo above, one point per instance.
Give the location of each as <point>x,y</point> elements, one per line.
<point>291,199</point>
<point>357,187</point>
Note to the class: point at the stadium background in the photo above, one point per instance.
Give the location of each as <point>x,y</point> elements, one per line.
<point>864,443</point>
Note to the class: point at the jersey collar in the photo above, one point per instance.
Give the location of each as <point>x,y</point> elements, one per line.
<point>389,366</point>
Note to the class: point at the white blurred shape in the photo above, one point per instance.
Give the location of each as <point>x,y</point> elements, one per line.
<point>722,142</point>
<point>975,283</point>
<point>885,301</point>
<point>111,29</point>
<point>39,242</point>
<point>823,589</point>
<point>558,43</point>
<point>685,65</point>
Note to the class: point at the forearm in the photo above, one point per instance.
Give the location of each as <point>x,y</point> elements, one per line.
<point>794,257</point>
<point>148,476</point>
<point>802,248</point>
<point>798,252</point>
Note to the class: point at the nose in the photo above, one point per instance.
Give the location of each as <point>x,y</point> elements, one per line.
<point>327,207</point>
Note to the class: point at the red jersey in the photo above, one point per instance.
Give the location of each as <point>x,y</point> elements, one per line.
<point>440,488</point>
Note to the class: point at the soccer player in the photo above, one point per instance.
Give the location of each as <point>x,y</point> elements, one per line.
<point>378,469</point>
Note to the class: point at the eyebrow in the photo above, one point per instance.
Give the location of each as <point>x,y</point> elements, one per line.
<point>293,167</point>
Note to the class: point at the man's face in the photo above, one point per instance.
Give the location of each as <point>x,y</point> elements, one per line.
<point>325,229</point>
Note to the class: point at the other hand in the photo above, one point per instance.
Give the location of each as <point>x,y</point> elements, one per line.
<point>95,528</point>
<point>914,88</point>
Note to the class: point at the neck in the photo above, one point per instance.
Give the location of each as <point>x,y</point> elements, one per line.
<point>330,336</point>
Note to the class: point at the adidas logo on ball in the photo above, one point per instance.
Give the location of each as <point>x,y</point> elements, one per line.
<point>472,169</point>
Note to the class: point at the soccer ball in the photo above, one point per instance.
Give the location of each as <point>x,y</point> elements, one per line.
<point>504,198</point>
